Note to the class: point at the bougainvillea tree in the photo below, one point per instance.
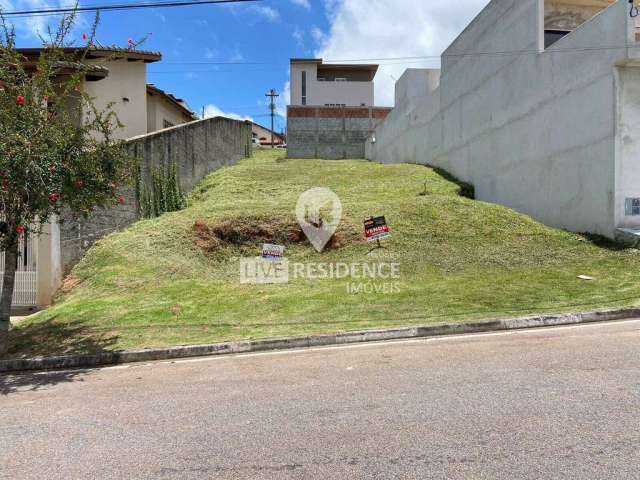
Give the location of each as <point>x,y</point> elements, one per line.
<point>57,149</point>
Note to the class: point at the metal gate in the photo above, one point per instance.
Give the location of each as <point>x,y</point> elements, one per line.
<point>26,284</point>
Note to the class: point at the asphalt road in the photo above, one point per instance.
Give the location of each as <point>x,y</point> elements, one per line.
<point>552,403</point>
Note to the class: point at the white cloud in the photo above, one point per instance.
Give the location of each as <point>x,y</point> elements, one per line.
<point>214,111</point>
<point>283,100</point>
<point>210,53</point>
<point>268,13</point>
<point>318,35</point>
<point>298,36</point>
<point>236,56</point>
<point>302,3</point>
<point>362,29</point>
<point>29,27</point>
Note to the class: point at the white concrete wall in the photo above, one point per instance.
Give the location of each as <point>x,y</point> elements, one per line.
<point>351,94</point>
<point>126,80</point>
<point>415,83</point>
<point>627,142</point>
<point>533,131</point>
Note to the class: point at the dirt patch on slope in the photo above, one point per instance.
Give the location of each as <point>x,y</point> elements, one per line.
<point>256,231</point>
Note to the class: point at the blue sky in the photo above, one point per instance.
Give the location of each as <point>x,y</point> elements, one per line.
<point>261,38</point>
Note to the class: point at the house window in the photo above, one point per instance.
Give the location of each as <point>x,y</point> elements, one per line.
<point>552,36</point>
<point>632,207</point>
<point>304,88</point>
<point>167,124</point>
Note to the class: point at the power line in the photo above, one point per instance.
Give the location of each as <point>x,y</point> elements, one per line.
<point>121,6</point>
<point>419,59</point>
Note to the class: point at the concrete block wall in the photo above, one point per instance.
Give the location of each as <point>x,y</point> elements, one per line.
<point>196,149</point>
<point>535,131</point>
<point>331,133</point>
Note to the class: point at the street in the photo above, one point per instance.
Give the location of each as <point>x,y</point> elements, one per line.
<point>547,403</point>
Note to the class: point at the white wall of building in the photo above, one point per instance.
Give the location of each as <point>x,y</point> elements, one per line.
<point>161,110</point>
<point>351,94</point>
<point>535,131</point>
<point>126,80</point>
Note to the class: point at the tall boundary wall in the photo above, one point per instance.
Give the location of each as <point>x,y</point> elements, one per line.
<point>331,133</point>
<point>542,132</point>
<point>195,149</point>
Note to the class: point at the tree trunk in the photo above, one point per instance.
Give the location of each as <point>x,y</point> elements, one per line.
<point>9,277</point>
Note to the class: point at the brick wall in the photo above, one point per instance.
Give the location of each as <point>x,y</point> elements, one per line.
<point>196,149</point>
<point>331,133</point>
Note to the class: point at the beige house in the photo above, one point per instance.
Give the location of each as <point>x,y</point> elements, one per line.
<point>331,85</point>
<point>117,77</point>
<point>165,110</point>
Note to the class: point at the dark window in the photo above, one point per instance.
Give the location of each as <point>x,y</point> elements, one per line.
<point>304,88</point>
<point>552,36</point>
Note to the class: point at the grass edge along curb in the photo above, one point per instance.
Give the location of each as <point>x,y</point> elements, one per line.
<point>342,338</point>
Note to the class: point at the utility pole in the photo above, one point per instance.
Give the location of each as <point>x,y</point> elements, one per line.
<point>272,107</point>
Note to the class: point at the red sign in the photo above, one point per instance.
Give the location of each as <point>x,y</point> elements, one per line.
<point>376,229</point>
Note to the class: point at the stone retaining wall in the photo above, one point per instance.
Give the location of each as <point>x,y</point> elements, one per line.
<point>195,149</point>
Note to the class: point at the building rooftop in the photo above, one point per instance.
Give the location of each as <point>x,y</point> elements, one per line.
<point>100,52</point>
<point>178,102</point>
<point>325,67</point>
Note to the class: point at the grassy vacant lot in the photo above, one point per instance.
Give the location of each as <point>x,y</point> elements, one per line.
<point>162,283</point>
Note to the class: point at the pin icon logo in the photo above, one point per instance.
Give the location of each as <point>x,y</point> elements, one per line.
<point>319,213</point>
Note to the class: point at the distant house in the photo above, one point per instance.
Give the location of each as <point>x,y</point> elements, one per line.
<point>332,110</point>
<point>331,85</point>
<point>262,136</point>
<point>165,110</point>
<point>118,77</point>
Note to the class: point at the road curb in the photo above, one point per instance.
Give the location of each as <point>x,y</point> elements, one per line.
<point>247,346</point>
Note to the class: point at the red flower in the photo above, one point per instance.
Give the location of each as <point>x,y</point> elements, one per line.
<point>19,229</point>
<point>130,41</point>
<point>54,197</point>
<point>20,100</point>
<point>121,200</point>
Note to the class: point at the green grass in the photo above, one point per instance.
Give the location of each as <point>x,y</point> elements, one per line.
<point>152,286</point>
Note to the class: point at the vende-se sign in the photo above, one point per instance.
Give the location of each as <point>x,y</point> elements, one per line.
<point>376,229</point>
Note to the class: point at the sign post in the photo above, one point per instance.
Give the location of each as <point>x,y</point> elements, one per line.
<point>376,229</point>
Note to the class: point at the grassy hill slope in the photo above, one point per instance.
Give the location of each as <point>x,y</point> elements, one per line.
<point>161,283</point>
